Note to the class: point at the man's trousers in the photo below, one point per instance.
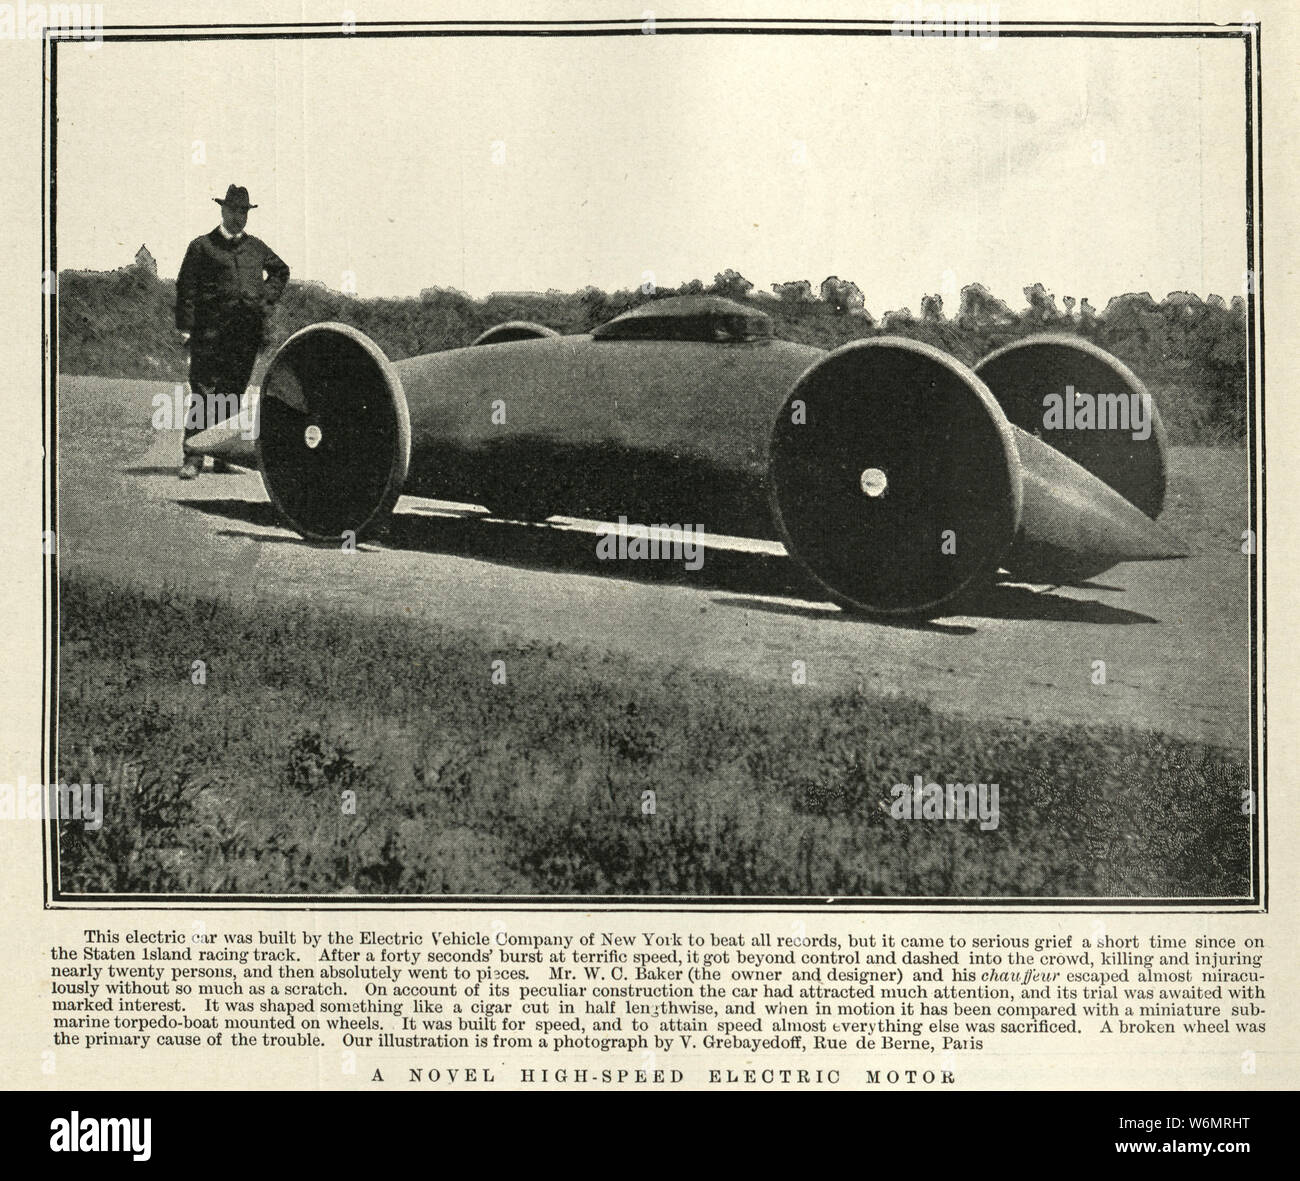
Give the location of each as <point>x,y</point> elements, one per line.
<point>219,371</point>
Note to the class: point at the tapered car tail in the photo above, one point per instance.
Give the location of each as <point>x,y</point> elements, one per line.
<point>899,481</point>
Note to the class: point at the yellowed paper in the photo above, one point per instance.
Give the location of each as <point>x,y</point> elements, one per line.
<point>451,773</point>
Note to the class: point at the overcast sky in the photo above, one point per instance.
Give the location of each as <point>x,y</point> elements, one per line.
<point>909,166</point>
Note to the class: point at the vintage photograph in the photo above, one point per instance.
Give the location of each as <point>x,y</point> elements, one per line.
<point>660,461</point>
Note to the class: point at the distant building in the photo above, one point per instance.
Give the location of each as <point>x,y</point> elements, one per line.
<point>144,261</point>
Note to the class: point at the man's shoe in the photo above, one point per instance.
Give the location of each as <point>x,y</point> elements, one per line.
<point>191,467</point>
<point>220,467</point>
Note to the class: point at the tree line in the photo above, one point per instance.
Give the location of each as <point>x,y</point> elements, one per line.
<point>1191,352</point>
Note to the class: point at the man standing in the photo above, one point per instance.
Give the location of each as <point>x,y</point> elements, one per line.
<point>228,284</point>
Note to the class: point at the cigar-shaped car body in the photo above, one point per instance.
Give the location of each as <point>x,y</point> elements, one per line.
<point>894,474</point>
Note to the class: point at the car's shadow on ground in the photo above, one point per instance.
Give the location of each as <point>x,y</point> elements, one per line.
<point>739,573</point>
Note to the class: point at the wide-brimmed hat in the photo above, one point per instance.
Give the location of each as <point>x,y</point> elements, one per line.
<point>237,196</point>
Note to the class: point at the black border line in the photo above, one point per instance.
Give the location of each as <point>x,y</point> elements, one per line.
<point>47,850</point>
<point>1258,504</point>
<point>461,903</point>
<point>1209,34</point>
<point>842,22</point>
<point>1255,408</point>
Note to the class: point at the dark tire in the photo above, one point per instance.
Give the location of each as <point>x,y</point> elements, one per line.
<point>943,459</point>
<point>333,434</point>
<point>1019,375</point>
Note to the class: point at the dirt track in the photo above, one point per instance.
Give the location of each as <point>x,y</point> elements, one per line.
<point>1174,636</point>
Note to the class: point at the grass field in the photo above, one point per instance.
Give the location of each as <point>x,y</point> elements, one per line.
<point>539,785</point>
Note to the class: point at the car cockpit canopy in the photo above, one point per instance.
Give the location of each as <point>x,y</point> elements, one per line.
<point>706,318</point>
